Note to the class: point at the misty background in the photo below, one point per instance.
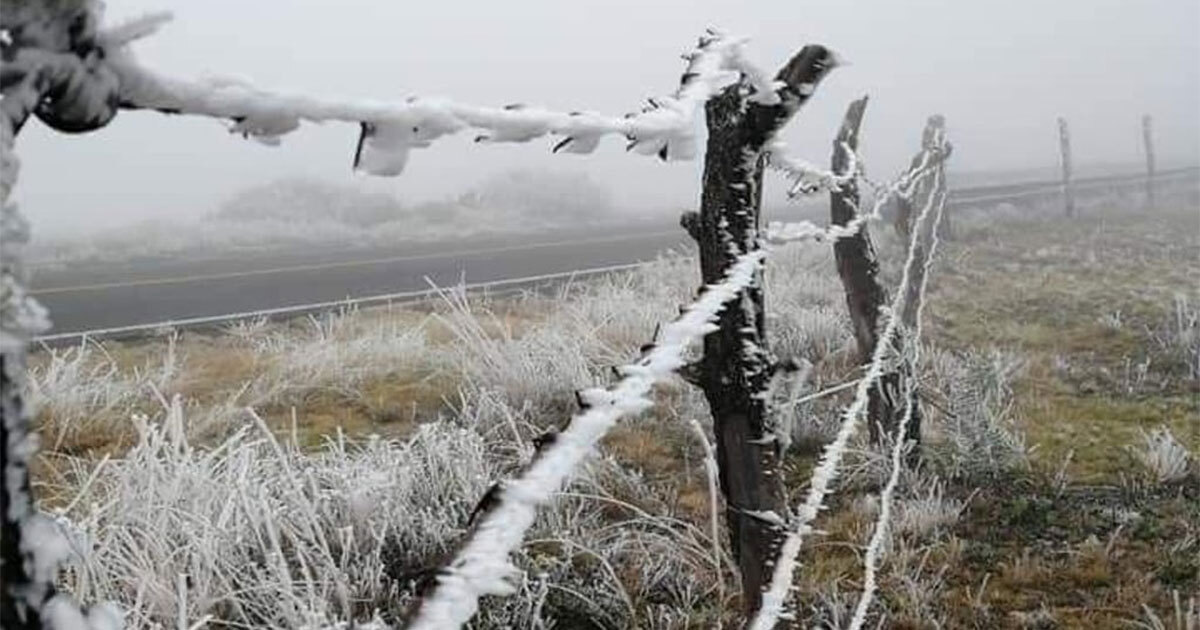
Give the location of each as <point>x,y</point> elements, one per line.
<point>1001,72</point>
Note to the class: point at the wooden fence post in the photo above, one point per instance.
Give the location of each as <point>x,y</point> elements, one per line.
<point>737,365</point>
<point>24,589</point>
<point>1064,146</point>
<point>858,268</point>
<point>1148,142</point>
<point>929,190</point>
<point>905,212</point>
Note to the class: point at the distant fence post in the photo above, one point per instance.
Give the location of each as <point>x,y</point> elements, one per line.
<point>1148,141</point>
<point>1064,146</point>
<point>921,190</point>
<point>858,268</point>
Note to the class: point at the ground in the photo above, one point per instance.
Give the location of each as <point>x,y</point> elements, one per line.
<point>1088,304</point>
<point>1054,346</point>
<point>1083,310</point>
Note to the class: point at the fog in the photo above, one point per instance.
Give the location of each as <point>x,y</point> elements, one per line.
<point>1001,72</point>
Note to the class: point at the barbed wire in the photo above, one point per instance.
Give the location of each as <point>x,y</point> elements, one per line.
<point>482,565</point>
<point>826,470</point>
<point>886,497</point>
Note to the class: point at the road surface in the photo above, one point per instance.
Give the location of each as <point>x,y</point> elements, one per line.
<point>130,295</point>
<point>130,298</point>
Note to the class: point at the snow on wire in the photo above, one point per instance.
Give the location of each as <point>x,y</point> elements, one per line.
<point>389,131</point>
<point>482,566</point>
<point>61,66</point>
<point>937,198</point>
<point>808,179</point>
<point>107,77</point>
<point>826,470</point>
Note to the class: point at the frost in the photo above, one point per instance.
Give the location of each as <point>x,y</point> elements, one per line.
<point>936,199</point>
<point>778,232</point>
<point>1163,457</point>
<point>40,547</point>
<point>61,613</point>
<point>97,83</point>
<point>767,516</point>
<point>806,178</point>
<point>764,90</point>
<point>482,565</point>
<point>667,127</point>
<point>826,469</point>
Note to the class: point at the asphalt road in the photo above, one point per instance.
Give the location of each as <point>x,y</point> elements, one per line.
<point>107,296</point>
<point>102,297</point>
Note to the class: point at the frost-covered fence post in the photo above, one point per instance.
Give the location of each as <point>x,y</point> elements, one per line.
<point>737,366</point>
<point>53,69</point>
<point>74,77</point>
<point>1064,146</point>
<point>1148,143</point>
<point>825,473</point>
<point>919,189</point>
<point>934,191</point>
<point>931,191</point>
<point>22,593</point>
<point>858,268</point>
<point>26,582</point>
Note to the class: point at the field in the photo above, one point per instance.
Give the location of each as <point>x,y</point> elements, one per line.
<point>308,472</point>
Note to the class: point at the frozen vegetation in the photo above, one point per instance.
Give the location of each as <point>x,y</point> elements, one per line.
<point>296,514</point>
<point>403,464</point>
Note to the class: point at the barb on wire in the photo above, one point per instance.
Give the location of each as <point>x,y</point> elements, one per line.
<point>871,558</point>
<point>482,565</point>
<point>805,177</point>
<point>110,77</point>
<point>826,470</point>
<point>779,232</point>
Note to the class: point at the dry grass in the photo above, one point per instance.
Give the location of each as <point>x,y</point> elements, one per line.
<point>1083,302</point>
<point>1030,510</point>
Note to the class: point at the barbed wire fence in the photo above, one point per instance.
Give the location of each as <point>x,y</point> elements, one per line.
<point>62,66</point>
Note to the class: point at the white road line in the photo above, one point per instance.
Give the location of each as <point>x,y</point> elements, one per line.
<point>322,306</point>
<point>344,264</point>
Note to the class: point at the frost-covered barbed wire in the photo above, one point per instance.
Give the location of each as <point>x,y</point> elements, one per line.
<point>482,565</point>
<point>807,178</point>
<point>712,473</point>
<point>902,187</point>
<point>110,78</point>
<point>826,470</point>
<point>871,557</point>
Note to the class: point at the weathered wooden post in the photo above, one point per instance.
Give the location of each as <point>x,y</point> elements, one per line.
<point>930,190</point>
<point>858,267</point>
<point>919,190</point>
<point>58,89</point>
<point>1064,146</point>
<point>1148,142</point>
<point>737,365</point>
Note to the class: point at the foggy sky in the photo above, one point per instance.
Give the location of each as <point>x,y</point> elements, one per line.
<point>1000,71</point>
